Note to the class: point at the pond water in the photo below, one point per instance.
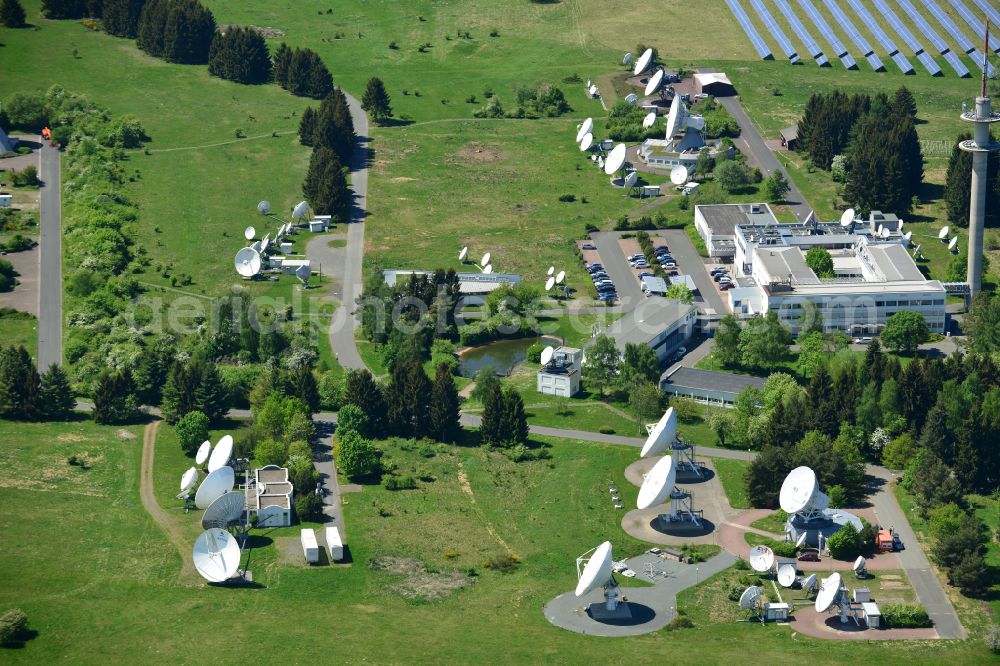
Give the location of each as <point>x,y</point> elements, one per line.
<point>503,355</point>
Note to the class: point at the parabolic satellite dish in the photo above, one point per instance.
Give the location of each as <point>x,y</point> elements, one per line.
<point>248,262</point>
<point>203,451</point>
<point>676,117</point>
<point>828,593</point>
<point>215,485</point>
<point>303,272</point>
<point>616,158</point>
<point>631,98</point>
<point>679,175</point>
<point>908,235</point>
<point>464,253</point>
<point>549,283</point>
<point>301,208</point>
<point>859,564</point>
<point>654,82</point>
<point>552,269</point>
<point>487,269</point>
<point>649,119</point>
<point>878,232</point>
<point>800,492</point>
<point>658,485</point>
<point>627,59</point>
<point>750,597</point>
<point>761,558</point>
<point>631,179</point>
<point>953,243</point>
<point>485,260</point>
<point>786,575</point>
<point>249,233</point>
<point>598,570</point>
<point>809,583</point>
<point>585,129</point>
<point>547,355</point>
<point>593,91</point>
<point>216,555</point>
<point>560,276</point>
<point>223,511</point>
<point>847,218</point>
<point>264,207</point>
<point>189,478</point>
<point>586,142</point>
<point>801,540</point>
<point>943,233</point>
<point>661,435</point>
<point>221,454</point>
<point>643,62</point>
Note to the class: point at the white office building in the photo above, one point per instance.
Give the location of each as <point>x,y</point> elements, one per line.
<point>665,325</point>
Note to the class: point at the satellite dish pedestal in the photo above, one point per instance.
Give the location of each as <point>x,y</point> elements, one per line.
<point>683,455</point>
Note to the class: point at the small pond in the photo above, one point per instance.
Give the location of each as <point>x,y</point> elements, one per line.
<point>503,355</point>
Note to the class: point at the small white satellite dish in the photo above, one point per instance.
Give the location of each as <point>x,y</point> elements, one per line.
<point>585,129</point>
<point>786,575</point>
<point>659,483</point>
<point>643,62</point>
<point>560,277</point>
<point>801,540</point>
<point>547,355</point>
<point>265,243</point>
<point>750,597</point>
<point>616,158</point>
<point>552,269</point>
<point>264,207</point>
<point>249,233</point>
<point>809,583</point>
<point>203,451</point>
<point>549,283</point>
<point>859,564</point>
<point>598,570</point>
<point>485,260</point>
<point>223,511</point>
<point>487,269</point>
<point>221,454</point>
<point>215,485</point>
<point>189,478</point>
<point>248,262</point>
<point>593,91</point>
<point>303,273</point>
<point>828,593</point>
<point>847,217</point>
<point>586,142</point>
<point>649,119</point>
<point>761,558</point>
<point>301,208</point>
<point>661,435</point>
<point>953,243</point>
<point>878,232</point>
<point>464,253</point>
<point>216,555</point>
<point>631,98</point>
<point>886,232</point>
<point>654,82</point>
<point>943,233</point>
<point>600,162</point>
<point>908,235</point>
<point>631,179</point>
<point>588,83</point>
<point>627,59</point>
<point>679,174</point>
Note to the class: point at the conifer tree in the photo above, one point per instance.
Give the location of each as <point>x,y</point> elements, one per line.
<point>360,389</point>
<point>334,127</point>
<point>513,422</point>
<point>152,21</point>
<point>376,100</point>
<point>63,9</point>
<point>121,17</point>
<point>282,58</point>
<point>114,401</point>
<point>444,409</point>
<point>209,395</point>
<point>12,14</point>
<point>187,32</point>
<point>304,387</point>
<point>307,126</point>
<point>493,407</point>
<point>57,399</point>
<point>903,103</point>
<point>241,55</point>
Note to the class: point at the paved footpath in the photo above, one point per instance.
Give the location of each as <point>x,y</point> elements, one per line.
<point>50,260</point>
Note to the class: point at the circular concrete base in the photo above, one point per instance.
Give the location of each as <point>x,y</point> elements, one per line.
<point>644,612</point>
<point>645,524</point>
<point>637,471</point>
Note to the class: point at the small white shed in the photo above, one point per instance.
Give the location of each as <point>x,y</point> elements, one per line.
<point>6,200</point>
<point>872,615</point>
<point>310,549</point>
<point>777,612</point>
<point>862,594</point>
<point>334,543</point>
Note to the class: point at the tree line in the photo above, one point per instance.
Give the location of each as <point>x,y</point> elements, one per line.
<point>330,133</point>
<point>868,142</point>
<point>958,184</point>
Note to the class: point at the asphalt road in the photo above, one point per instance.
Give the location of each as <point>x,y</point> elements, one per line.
<point>50,260</point>
<point>617,268</point>
<point>691,263</point>
<point>752,143</point>
<point>345,321</point>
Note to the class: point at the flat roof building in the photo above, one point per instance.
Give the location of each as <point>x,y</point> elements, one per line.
<point>470,284</point>
<point>270,496</point>
<point>561,375</point>
<point>661,323</point>
<point>714,388</point>
<point>716,224</point>
<point>713,83</point>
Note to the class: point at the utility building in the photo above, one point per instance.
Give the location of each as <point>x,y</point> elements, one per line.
<point>663,324</point>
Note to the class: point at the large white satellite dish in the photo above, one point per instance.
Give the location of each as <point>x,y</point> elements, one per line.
<point>203,451</point>
<point>616,158</point>
<point>801,540</point>
<point>216,555</point>
<point>549,283</point>
<point>585,129</point>
<point>485,260</point>
<point>487,269</point>
<point>598,570</point>
<point>224,510</point>
<point>661,435</point>
<point>547,355</point>
<point>631,179</point>
<point>786,575</point>
<point>649,119</point>
<point>809,583</point>
<point>659,483</point>
<point>247,262</point>
<point>943,233</point>
<point>679,174</point>
<point>828,593</point>
<point>847,218</point>
<point>264,207</point>
<point>301,208</point>
<point>800,492</point>
<point>750,597</point>
<point>586,142</point>
<point>189,478</point>
<point>953,243</point>
<point>249,233</point>
<point>859,564</point>
<point>215,485</point>
<point>221,454</point>
<point>654,82</point>
<point>676,118</point>
<point>631,98</point>
<point>464,253</point>
<point>560,276</point>
<point>643,62</point>
<point>627,59</point>
<point>761,558</point>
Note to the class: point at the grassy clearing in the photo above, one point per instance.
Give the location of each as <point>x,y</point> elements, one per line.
<point>589,417</point>
<point>731,474</point>
<point>20,329</point>
<point>774,522</point>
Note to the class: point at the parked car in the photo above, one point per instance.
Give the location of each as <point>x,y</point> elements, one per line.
<point>588,246</point>
<point>719,276</point>
<point>634,257</point>
<point>661,247</point>
<point>862,341</point>
<point>726,286</point>
<point>645,274</point>
<point>897,543</point>
<point>809,555</point>
<point>668,264</point>
<point>718,271</point>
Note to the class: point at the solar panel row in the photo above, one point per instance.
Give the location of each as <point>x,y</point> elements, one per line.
<point>897,25</point>
<point>923,26</point>
<point>852,32</point>
<point>772,26</point>
<point>848,61</point>
<point>928,62</point>
<point>952,58</point>
<point>903,63</point>
<point>875,62</point>
<point>800,30</point>
<point>949,25</point>
<point>974,23</point>
<point>990,11</point>
<point>868,20</point>
<point>741,17</point>
<point>824,27</point>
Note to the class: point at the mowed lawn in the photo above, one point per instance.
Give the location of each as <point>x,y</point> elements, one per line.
<point>20,329</point>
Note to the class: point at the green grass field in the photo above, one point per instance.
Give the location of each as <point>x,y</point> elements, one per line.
<point>731,473</point>
<point>20,329</point>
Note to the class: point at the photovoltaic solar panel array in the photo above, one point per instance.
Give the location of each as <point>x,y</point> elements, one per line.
<point>824,29</point>
<point>975,22</point>
<point>956,33</point>
<point>741,17</point>
<point>866,49</point>
<point>800,30</point>
<point>772,26</point>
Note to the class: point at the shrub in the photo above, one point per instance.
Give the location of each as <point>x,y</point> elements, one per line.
<point>13,623</point>
<point>309,506</point>
<point>606,430</point>
<point>192,430</point>
<point>503,563</point>
<point>904,616</point>
<point>404,482</point>
<point>534,353</point>
<point>567,198</point>
<point>26,177</point>
<point>681,621</point>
